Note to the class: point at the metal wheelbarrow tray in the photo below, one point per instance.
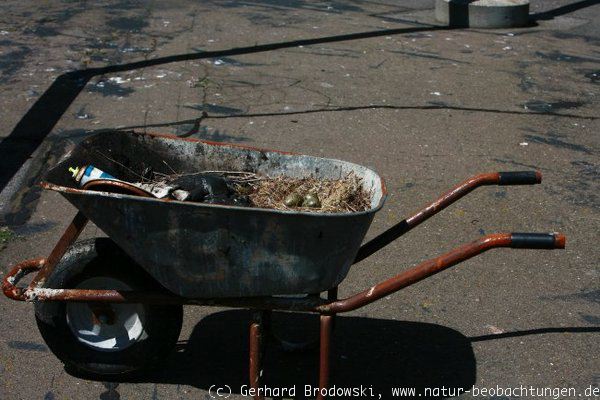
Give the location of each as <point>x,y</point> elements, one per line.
<point>215,255</point>
<point>205,250</point>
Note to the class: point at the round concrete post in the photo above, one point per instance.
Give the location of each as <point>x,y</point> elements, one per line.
<point>483,13</point>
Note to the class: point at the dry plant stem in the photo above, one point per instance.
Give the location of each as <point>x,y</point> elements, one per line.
<point>336,195</point>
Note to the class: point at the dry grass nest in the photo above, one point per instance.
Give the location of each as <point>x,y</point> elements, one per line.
<point>335,195</point>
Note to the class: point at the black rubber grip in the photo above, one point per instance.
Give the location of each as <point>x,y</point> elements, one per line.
<point>520,178</point>
<point>533,241</point>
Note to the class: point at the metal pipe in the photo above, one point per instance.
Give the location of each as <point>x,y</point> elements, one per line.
<point>324,354</point>
<point>466,187</point>
<point>67,239</point>
<point>433,266</point>
<point>255,354</point>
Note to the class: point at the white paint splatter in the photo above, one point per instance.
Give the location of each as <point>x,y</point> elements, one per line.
<point>118,80</point>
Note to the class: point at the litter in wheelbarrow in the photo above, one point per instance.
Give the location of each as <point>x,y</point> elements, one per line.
<point>311,194</point>
<point>242,188</point>
<point>198,187</point>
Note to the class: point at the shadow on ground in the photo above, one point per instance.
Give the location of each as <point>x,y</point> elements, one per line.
<point>382,354</point>
<point>371,352</point>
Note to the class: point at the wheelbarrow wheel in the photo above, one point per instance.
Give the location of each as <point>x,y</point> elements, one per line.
<point>104,338</point>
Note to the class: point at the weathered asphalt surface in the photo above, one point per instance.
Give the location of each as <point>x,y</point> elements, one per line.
<point>424,108</point>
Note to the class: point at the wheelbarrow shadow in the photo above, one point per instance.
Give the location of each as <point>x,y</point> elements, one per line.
<point>382,354</point>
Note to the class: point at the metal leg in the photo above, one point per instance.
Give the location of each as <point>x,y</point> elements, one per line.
<point>326,326</point>
<point>256,353</point>
<point>68,238</point>
<point>332,295</point>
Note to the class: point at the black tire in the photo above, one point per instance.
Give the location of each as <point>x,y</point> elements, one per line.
<point>101,259</point>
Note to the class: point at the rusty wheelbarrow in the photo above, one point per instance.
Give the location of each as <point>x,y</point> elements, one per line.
<point>114,305</point>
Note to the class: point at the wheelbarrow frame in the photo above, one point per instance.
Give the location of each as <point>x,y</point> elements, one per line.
<point>327,307</point>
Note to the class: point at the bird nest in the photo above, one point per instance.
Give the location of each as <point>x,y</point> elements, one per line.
<point>334,195</point>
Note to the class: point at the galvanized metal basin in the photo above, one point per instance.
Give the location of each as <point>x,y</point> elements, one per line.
<point>201,250</point>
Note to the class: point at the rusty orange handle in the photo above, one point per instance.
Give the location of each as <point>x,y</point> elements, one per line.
<point>438,264</point>
<point>466,187</point>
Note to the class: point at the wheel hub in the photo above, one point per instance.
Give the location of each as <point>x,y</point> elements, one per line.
<point>102,326</point>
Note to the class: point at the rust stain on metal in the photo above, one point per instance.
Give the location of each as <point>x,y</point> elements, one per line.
<point>326,325</point>
<point>254,358</point>
<point>424,270</point>
<point>9,283</point>
<point>560,240</point>
<point>68,238</point>
<point>452,195</point>
<point>448,198</point>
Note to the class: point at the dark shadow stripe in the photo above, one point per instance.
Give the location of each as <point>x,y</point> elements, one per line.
<point>540,331</point>
<point>354,108</point>
<point>569,8</point>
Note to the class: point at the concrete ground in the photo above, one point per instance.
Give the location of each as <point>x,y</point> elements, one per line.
<point>423,105</point>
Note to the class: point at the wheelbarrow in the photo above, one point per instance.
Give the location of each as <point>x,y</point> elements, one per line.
<point>114,305</point>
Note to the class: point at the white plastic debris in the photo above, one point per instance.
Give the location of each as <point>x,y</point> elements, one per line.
<point>494,329</point>
<point>180,194</point>
<point>118,79</point>
<point>159,190</point>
